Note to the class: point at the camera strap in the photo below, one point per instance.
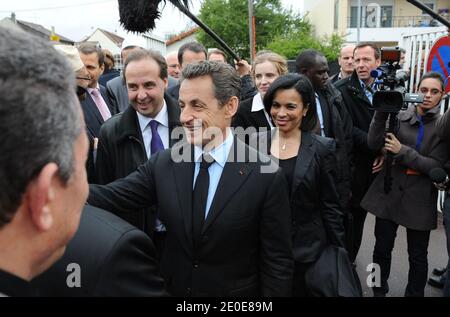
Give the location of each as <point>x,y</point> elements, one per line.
<point>419,140</point>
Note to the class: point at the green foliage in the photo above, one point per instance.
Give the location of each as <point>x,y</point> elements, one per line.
<point>290,45</point>
<point>229,19</point>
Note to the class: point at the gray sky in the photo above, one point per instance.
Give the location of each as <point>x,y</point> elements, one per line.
<point>77,19</point>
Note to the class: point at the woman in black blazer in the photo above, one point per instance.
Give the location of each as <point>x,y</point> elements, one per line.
<point>266,68</point>
<point>308,162</point>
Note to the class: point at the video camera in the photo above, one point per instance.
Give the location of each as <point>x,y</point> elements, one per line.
<point>392,96</point>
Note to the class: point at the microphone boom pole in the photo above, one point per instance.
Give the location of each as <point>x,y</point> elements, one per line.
<point>205,28</point>
<point>140,15</point>
<point>428,10</point>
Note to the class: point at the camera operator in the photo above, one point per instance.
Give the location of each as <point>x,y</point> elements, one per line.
<point>411,201</point>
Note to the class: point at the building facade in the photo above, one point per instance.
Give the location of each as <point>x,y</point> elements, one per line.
<point>381,21</point>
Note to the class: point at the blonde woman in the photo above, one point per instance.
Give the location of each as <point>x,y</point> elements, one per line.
<point>267,67</point>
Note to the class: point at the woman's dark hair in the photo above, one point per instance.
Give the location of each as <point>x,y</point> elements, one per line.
<point>305,89</point>
<point>433,75</point>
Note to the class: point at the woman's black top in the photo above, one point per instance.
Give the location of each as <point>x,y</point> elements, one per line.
<point>288,167</point>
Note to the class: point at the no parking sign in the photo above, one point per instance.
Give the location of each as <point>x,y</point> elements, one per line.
<point>439,59</point>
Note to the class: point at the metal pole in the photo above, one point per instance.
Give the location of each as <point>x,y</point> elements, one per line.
<point>358,31</point>
<point>251,30</point>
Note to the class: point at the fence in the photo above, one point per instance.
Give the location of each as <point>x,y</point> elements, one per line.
<point>418,46</point>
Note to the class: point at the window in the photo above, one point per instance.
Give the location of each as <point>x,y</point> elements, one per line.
<point>354,17</point>
<point>386,16</point>
<point>371,17</point>
<point>430,5</point>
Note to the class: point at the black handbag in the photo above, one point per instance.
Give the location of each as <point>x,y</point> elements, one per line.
<point>332,275</point>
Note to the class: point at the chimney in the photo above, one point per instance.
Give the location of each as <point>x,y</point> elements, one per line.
<point>13,17</point>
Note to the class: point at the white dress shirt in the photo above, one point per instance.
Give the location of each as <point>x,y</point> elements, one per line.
<point>163,128</point>
<point>258,105</point>
<point>220,156</point>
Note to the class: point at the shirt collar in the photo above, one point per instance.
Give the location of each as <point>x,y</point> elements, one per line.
<point>91,89</point>
<point>257,104</point>
<point>363,85</point>
<point>162,117</point>
<point>219,153</point>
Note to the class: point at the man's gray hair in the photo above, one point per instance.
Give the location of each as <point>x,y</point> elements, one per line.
<point>39,115</point>
<point>225,79</point>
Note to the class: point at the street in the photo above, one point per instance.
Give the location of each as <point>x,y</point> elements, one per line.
<point>437,257</point>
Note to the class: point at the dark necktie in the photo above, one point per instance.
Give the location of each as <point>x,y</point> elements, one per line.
<point>200,196</point>
<point>156,144</point>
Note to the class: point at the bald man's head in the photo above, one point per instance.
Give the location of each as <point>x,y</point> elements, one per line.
<point>173,67</point>
<point>346,60</point>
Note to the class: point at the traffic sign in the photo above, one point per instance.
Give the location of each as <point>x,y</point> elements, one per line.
<point>439,59</point>
<point>54,37</point>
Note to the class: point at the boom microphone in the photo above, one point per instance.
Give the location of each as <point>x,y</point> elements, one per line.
<point>140,15</point>
<point>376,73</point>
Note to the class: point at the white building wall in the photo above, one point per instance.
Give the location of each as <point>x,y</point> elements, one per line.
<point>321,16</point>
<point>381,34</point>
<point>156,45</point>
<point>104,42</point>
<point>175,46</point>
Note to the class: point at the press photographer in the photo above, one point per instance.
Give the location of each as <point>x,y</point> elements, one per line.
<point>391,98</point>
<point>411,201</point>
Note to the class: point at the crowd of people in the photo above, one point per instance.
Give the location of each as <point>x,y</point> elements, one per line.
<point>207,179</point>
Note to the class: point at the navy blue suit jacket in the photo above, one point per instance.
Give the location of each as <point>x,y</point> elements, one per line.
<point>92,116</point>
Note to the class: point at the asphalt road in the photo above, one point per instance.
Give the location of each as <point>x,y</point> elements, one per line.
<point>437,256</point>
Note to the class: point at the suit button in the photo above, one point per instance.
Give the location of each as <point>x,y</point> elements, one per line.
<point>188,291</point>
<point>294,223</point>
<point>195,264</point>
<point>400,188</point>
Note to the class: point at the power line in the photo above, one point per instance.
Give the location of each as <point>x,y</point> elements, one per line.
<point>59,7</point>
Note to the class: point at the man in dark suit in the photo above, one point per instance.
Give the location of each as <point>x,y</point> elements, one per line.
<point>128,139</point>
<point>116,89</point>
<point>188,53</point>
<point>333,119</point>
<point>42,162</point>
<point>345,61</point>
<point>228,219</point>
<point>106,257</point>
<point>96,106</point>
<point>357,92</point>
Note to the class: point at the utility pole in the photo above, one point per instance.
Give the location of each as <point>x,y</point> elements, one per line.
<point>251,28</point>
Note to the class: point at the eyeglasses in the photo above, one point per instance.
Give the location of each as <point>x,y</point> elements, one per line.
<point>433,92</point>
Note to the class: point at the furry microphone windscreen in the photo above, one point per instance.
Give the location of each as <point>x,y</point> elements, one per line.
<point>140,15</point>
